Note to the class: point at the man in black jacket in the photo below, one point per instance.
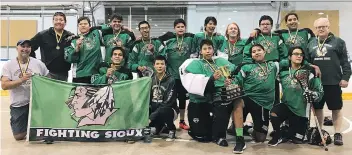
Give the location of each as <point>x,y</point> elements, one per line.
<point>163,105</point>
<point>330,54</point>
<point>52,43</point>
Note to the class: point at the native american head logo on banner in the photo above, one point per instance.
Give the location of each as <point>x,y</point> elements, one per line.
<point>91,105</point>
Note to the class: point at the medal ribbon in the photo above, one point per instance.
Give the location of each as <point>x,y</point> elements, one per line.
<point>19,65</point>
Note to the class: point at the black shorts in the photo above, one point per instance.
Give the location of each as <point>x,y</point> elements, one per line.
<point>332,96</point>
<point>259,115</point>
<point>19,119</point>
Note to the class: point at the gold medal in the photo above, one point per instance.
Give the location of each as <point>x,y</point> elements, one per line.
<point>22,71</point>
<point>57,47</point>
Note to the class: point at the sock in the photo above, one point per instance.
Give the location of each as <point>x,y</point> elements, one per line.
<point>239,132</point>
<point>182,114</point>
<point>337,120</point>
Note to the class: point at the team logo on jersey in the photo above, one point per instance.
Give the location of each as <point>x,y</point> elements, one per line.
<point>321,52</point>
<point>148,49</point>
<point>195,120</point>
<point>112,41</point>
<point>261,73</point>
<point>181,49</point>
<point>158,93</point>
<point>294,41</point>
<point>268,45</point>
<point>234,51</point>
<point>89,43</point>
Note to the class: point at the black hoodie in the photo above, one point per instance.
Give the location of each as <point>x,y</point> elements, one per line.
<point>332,61</point>
<point>163,95</point>
<point>53,58</point>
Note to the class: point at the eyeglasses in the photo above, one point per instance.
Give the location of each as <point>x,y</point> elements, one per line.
<point>298,54</point>
<point>321,27</point>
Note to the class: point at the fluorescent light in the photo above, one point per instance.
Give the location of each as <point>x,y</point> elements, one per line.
<point>321,13</point>
<point>229,18</point>
<point>234,11</point>
<point>155,25</point>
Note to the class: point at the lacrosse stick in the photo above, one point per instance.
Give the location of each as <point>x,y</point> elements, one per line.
<point>302,79</point>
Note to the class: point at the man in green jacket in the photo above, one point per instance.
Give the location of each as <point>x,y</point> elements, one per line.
<point>178,48</point>
<point>209,27</point>
<point>116,70</point>
<point>144,51</point>
<point>84,52</point>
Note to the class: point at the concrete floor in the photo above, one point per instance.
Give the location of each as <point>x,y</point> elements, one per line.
<point>183,145</point>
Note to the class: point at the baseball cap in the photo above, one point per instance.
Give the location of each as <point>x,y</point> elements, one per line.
<point>21,42</point>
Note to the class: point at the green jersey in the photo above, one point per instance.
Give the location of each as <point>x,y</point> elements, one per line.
<point>141,56</point>
<point>299,37</point>
<point>275,49</point>
<point>110,38</point>
<point>216,38</point>
<point>234,52</point>
<point>258,82</point>
<point>177,50</point>
<point>86,61</point>
<point>293,91</point>
<point>118,75</point>
<point>207,68</point>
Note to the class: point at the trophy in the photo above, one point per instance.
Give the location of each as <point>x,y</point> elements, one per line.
<point>232,91</point>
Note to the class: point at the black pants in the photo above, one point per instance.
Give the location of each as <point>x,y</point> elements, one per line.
<point>86,79</point>
<point>165,117</point>
<point>203,125</point>
<point>298,125</point>
<point>221,117</point>
<point>259,115</point>
<point>200,121</point>
<point>277,92</point>
<point>58,76</point>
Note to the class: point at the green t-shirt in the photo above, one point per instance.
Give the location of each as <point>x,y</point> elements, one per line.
<point>275,49</point>
<point>293,92</point>
<point>87,60</point>
<point>258,82</point>
<point>177,50</point>
<point>235,52</point>
<point>206,68</point>
<point>216,38</point>
<point>118,75</point>
<point>298,37</point>
<point>109,38</point>
<point>141,56</point>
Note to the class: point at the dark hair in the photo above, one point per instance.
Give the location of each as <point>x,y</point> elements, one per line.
<point>59,14</point>
<point>83,18</point>
<point>289,14</point>
<point>206,42</point>
<point>290,51</point>
<point>160,57</point>
<point>118,48</point>
<point>177,21</point>
<point>210,18</point>
<point>116,16</point>
<point>143,22</point>
<point>256,45</point>
<point>266,17</point>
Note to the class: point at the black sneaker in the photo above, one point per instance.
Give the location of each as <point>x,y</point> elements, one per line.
<point>172,136</point>
<point>240,145</point>
<point>221,142</point>
<point>276,139</point>
<point>338,139</point>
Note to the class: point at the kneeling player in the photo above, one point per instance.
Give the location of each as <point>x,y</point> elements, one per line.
<point>163,105</point>
<point>294,107</point>
<point>208,115</point>
<point>116,71</point>
<point>258,80</point>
